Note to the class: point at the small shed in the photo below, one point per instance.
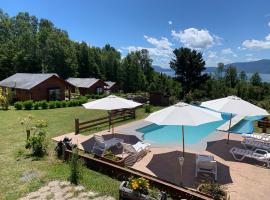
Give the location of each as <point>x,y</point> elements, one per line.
<point>112,87</point>
<point>87,85</point>
<point>159,99</point>
<point>28,86</point>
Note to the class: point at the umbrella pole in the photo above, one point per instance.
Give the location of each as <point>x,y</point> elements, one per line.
<point>112,123</point>
<point>183,140</point>
<point>229,129</point>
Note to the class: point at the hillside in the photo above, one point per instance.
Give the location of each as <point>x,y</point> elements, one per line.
<point>261,66</point>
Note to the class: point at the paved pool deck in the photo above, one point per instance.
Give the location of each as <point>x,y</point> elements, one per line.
<point>244,180</point>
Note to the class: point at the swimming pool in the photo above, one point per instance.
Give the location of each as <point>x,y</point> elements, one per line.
<point>163,135</point>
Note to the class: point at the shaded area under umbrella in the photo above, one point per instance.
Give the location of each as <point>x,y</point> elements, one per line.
<point>166,167</point>
<point>221,149</point>
<point>130,139</point>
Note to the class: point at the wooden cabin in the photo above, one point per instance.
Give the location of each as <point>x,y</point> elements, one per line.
<point>28,86</point>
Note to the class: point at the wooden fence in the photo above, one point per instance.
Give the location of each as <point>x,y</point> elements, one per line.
<point>113,116</point>
<point>264,124</point>
<point>123,173</point>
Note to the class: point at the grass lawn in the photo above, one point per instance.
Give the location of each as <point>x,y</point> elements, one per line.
<point>15,160</point>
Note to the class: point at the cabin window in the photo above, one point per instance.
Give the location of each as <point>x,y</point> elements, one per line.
<point>99,90</point>
<point>55,94</point>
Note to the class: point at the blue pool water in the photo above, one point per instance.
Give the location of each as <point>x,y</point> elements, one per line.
<point>161,135</point>
<point>173,134</point>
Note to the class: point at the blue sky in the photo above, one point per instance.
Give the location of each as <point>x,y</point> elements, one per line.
<point>223,30</point>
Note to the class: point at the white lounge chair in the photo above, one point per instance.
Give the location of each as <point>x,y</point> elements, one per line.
<point>206,164</point>
<point>137,150</point>
<point>102,145</point>
<point>261,136</point>
<point>258,154</point>
<point>256,144</point>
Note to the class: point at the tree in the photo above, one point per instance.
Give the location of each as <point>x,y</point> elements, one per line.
<point>111,59</point>
<point>256,79</point>
<point>243,76</point>
<point>82,53</point>
<point>231,77</point>
<point>189,67</point>
<point>133,78</point>
<point>219,73</point>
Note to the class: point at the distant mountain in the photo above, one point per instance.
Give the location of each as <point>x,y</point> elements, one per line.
<point>167,71</point>
<point>260,66</point>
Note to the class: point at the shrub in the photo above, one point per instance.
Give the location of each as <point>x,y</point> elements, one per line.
<point>38,142</point>
<point>215,190</point>
<point>148,108</point>
<point>82,100</point>
<point>74,167</point>
<point>58,104</point>
<point>88,96</point>
<point>5,99</point>
<point>77,102</point>
<point>74,103</point>
<point>69,103</point>
<point>36,105</point>
<point>18,105</point>
<point>51,104</point>
<point>28,105</point>
<point>43,104</point>
<point>64,104</point>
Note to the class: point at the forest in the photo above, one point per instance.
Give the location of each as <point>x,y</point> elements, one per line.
<point>32,45</point>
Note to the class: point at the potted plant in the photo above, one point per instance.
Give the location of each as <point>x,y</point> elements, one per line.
<point>214,190</point>
<point>108,156</point>
<point>138,189</point>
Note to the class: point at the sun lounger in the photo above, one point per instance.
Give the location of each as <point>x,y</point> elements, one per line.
<point>206,164</point>
<point>102,145</point>
<point>262,136</point>
<point>136,151</point>
<point>258,154</point>
<point>256,144</point>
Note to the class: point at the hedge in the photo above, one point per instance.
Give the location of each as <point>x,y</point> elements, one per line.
<point>28,105</point>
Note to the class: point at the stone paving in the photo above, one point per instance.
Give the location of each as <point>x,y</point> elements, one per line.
<point>63,190</point>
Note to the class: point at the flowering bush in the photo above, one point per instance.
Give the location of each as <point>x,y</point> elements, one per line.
<point>5,98</point>
<point>38,142</point>
<point>140,184</point>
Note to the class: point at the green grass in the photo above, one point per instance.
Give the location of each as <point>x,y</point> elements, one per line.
<point>15,161</point>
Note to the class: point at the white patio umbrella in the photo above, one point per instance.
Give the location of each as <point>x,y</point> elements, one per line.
<point>183,114</point>
<point>111,103</point>
<point>234,105</point>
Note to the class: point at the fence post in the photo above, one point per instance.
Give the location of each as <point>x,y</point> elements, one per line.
<point>77,129</point>
<point>134,113</point>
<point>110,119</point>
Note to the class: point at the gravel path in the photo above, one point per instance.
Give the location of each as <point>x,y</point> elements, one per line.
<point>56,190</point>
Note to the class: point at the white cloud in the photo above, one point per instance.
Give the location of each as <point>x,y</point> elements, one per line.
<point>258,44</point>
<point>249,54</point>
<point>269,24</point>
<point>252,59</point>
<point>228,51</point>
<point>212,54</point>
<point>195,38</point>
<point>161,52</point>
<point>170,22</point>
<point>267,37</point>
